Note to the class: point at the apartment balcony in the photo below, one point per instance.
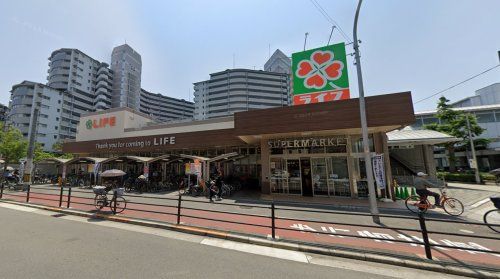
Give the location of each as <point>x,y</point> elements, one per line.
<point>102,83</point>
<point>102,70</point>
<point>102,76</point>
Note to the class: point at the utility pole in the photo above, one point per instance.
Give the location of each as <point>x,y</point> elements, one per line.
<point>31,145</point>
<point>473,151</point>
<point>364,125</point>
<point>305,40</point>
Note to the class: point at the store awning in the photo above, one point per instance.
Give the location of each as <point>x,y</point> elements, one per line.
<point>127,158</point>
<point>53,161</point>
<point>170,157</point>
<point>86,160</point>
<point>223,157</point>
<point>418,137</point>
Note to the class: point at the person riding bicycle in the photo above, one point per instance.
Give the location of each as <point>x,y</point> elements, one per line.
<point>422,183</point>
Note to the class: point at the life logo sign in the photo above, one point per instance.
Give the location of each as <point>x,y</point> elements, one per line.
<point>102,122</point>
<point>320,75</point>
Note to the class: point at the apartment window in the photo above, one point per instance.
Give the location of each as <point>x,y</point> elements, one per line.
<point>485,117</point>
<point>58,110</point>
<point>55,136</point>
<point>430,120</point>
<point>55,127</point>
<point>57,118</point>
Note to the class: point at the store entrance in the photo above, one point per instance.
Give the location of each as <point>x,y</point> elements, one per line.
<point>305,167</point>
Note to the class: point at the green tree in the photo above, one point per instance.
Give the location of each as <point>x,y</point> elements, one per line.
<point>39,154</point>
<point>57,147</point>
<point>454,123</point>
<point>12,145</point>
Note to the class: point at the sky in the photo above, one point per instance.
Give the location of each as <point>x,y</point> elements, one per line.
<point>422,46</point>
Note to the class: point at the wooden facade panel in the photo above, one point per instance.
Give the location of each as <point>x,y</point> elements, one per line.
<point>382,110</point>
<point>202,139</point>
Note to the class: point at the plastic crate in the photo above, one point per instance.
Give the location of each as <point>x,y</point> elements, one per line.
<point>99,190</point>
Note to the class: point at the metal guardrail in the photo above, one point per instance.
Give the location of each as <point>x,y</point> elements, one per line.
<point>272,217</point>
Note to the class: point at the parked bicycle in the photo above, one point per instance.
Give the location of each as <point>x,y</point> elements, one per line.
<point>452,206</point>
<point>492,217</point>
<point>117,203</point>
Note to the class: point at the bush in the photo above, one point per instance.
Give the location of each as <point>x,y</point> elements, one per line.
<point>464,177</point>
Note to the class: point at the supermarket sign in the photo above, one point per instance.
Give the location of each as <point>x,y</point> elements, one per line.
<point>101,122</point>
<point>320,75</point>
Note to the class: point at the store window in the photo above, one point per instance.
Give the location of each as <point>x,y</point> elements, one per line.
<point>357,144</point>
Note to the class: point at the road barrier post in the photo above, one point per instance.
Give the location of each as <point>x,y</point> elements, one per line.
<point>425,236</point>
<point>61,196</point>
<point>69,197</point>
<point>273,226</point>
<point>115,196</point>
<point>28,193</point>
<point>1,190</point>
<point>179,209</point>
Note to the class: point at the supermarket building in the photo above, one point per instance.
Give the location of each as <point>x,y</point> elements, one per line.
<point>310,150</point>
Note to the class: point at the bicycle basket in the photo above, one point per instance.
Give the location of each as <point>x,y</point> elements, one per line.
<point>119,191</point>
<point>99,190</point>
<point>496,201</point>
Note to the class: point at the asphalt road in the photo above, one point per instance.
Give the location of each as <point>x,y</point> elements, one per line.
<point>329,226</point>
<point>42,244</point>
<point>37,246</point>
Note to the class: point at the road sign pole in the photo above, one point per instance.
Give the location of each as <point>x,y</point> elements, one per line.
<point>364,126</point>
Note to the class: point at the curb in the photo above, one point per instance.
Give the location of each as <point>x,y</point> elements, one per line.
<point>392,260</point>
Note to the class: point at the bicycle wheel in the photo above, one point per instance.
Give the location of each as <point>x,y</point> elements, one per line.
<point>416,205</point>
<point>453,207</point>
<point>492,217</point>
<point>121,204</point>
<point>100,201</point>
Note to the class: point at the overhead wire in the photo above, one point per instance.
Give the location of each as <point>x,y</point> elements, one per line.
<point>457,84</point>
<point>325,14</point>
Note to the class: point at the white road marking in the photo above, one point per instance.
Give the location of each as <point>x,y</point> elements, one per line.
<point>467,231</point>
<point>335,262</point>
<point>258,250</point>
<point>18,207</point>
<point>479,203</point>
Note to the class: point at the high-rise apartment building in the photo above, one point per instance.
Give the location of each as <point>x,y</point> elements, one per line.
<point>45,107</point>
<point>4,111</point>
<point>163,108</point>
<point>278,63</point>
<point>126,65</point>
<point>78,84</point>
<point>236,90</point>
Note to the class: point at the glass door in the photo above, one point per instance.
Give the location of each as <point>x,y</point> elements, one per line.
<point>319,177</point>
<point>294,177</point>
<point>279,176</point>
<point>338,177</point>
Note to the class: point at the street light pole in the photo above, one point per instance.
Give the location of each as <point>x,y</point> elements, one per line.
<point>364,125</point>
<point>473,151</point>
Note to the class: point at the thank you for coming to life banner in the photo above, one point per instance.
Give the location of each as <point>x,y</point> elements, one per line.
<point>378,170</point>
<point>320,75</point>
